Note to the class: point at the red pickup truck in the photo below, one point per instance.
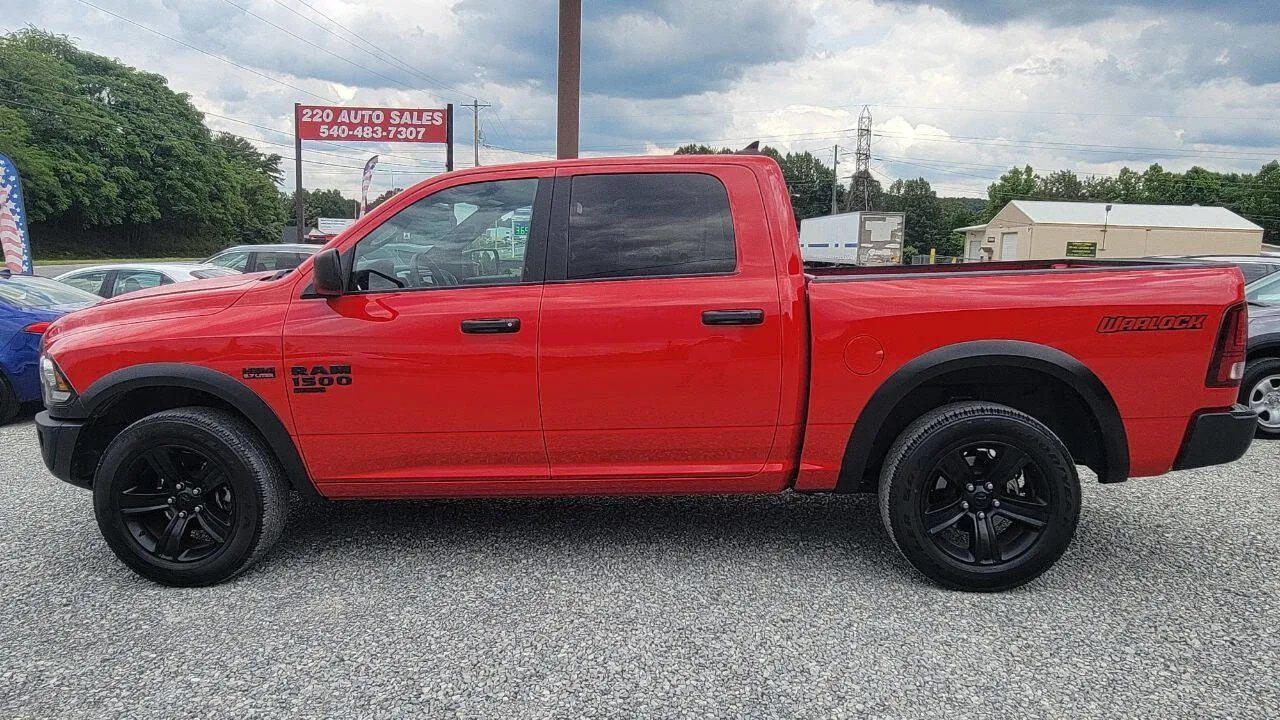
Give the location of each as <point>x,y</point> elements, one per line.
<point>637,326</point>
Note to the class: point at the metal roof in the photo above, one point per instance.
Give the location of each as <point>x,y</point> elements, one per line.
<point>1125,215</point>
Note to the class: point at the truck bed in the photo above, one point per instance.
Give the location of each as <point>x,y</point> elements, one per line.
<point>830,273</point>
<point>1092,311</point>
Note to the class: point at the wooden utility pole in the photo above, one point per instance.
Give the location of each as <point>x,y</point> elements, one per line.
<point>297,177</point>
<point>475,128</point>
<point>835,176</point>
<point>568,78</point>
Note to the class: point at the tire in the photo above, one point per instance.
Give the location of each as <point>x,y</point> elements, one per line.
<point>987,539</point>
<point>1260,391</point>
<point>190,496</point>
<point>8,401</point>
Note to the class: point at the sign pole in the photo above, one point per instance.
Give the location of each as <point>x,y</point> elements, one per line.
<point>568,78</point>
<point>297,175</point>
<point>448,148</point>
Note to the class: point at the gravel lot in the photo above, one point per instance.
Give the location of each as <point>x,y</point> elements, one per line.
<point>1167,605</point>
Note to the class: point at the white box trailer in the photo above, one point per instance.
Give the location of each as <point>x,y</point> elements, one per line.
<point>856,238</point>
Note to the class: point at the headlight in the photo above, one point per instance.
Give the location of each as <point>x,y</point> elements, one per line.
<point>54,386</point>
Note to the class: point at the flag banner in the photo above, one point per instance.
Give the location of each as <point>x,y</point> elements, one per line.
<point>364,184</point>
<point>13,220</point>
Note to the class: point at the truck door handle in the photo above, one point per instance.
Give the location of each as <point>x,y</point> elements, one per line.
<point>732,317</point>
<point>492,326</point>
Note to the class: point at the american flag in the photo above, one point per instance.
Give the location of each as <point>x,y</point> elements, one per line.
<point>13,222</point>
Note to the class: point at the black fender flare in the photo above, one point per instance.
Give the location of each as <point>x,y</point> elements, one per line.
<point>1265,344</point>
<point>103,391</point>
<point>979,353</point>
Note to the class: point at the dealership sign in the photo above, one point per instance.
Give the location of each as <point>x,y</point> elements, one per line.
<point>329,123</point>
<point>365,124</point>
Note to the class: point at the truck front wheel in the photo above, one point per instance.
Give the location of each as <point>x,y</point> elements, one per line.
<point>979,496</point>
<point>190,496</point>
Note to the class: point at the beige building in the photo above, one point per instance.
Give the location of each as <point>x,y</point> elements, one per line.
<point>1039,230</point>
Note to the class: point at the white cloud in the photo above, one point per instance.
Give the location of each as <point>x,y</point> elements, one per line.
<point>955,100</point>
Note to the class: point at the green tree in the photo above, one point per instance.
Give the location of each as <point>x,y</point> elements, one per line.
<point>924,222</point>
<point>1061,184</point>
<point>328,203</point>
<point>384,197</point>
<point>241,150</point>
<point>116,163</point>
<point>808,180</point>
<point>1015,184</point>
<point>702,150</point>
<point>875,194</point>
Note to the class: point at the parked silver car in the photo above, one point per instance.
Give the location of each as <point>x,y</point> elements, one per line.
<point>259,258</point>
<point>114,280</point>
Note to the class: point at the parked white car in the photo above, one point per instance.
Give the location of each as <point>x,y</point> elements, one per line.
<point>113,280</point>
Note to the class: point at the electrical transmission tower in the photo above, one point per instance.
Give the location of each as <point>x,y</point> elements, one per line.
<point>862,162</point>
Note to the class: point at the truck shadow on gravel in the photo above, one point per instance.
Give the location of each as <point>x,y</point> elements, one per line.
<point>845,525</point>
<point>842,534</point>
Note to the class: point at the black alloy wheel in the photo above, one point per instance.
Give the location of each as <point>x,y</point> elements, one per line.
<point>178,504</point>
<point>979,496</point>
<point>190,496</point>
<point>987,505</point>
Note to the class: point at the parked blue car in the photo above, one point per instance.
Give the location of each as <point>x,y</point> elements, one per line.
<point>27,305</point>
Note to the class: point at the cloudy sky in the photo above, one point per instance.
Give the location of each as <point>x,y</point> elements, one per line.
<point>958,89</point>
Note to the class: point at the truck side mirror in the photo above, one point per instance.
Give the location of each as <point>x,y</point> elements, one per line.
<point>327,268</point>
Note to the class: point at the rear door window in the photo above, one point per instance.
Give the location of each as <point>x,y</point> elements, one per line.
<point>648,224</point>
<point>236,260</point>
<point>128,281</point>
<point>277,260</point>
<point>88,282</point>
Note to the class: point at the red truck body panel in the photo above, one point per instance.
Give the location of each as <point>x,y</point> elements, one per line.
<point>1155,378</point>
<point>617,386</point>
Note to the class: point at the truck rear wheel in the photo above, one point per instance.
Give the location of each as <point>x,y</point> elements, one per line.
<point>190,496</point>
<point>979,496</point>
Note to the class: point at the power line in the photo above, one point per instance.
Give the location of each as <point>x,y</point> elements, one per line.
<point>202,51</point>
<point>953,108</point>
<point>327,31</point>
<point>1083,147</point>
<point>814,135</point>
<point>520,152</point>
<point>502,127</point>
<point>321,48</point>
<point>115,109</point>
<point>1073,145</point>
<point>166,136</point>
<point>393,59</point>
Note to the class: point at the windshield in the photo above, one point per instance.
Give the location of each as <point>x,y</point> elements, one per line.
<point>1265,291</point>
<point>27,291</point>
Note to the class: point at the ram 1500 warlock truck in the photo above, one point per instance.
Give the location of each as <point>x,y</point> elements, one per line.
<point>637,326</point>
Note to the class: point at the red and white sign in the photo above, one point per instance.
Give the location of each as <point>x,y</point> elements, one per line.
<point>362,124</point>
